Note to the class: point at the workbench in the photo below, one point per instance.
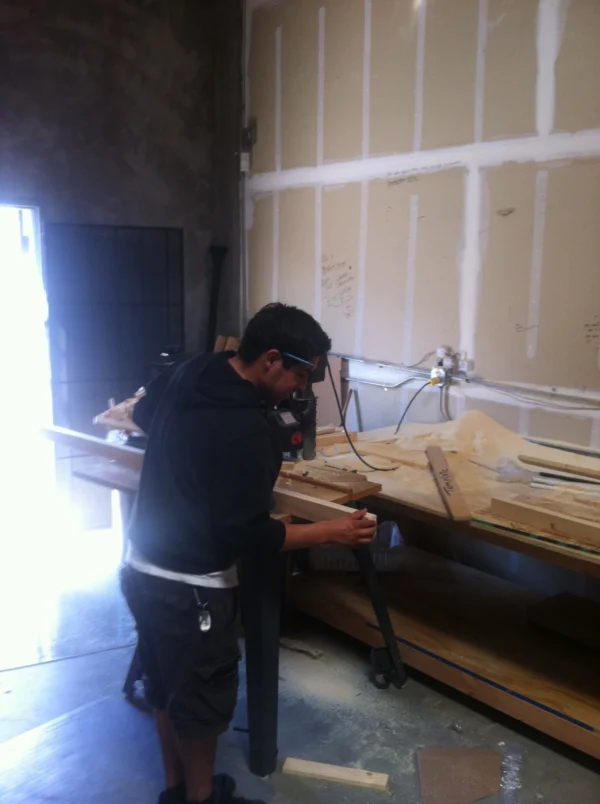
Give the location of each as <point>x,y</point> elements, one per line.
<point>467,628</point>
<point>459,625</point>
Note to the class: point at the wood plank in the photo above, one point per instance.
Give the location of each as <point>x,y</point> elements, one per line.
<point>356,484</point>
<point>450,492</point>
<point>328,439</point>
<point>127,456</point>
<point>303,486</point>
<point>309,508</point>
<point>470,630</point>
<point>232,344</point>
<point>220,343</point>
<point>335,773</point>
<point>559,466</point>
<point>574,617</point>
<point>546,520</point>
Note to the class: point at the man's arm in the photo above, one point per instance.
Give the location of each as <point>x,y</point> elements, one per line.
<point>241,505</point>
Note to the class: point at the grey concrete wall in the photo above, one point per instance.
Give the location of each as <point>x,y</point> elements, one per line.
<point>109,115</point>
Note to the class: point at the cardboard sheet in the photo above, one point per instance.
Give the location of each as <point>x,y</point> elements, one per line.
<point>260,255</point>
<point>578,67</point>
<point>510,82</point>
<point>297,248</point>
<point>393,68</point>
<point>344,46</point>
<point>449,79</point>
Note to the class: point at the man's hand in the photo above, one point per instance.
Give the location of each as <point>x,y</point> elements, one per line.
<point>353,530</point>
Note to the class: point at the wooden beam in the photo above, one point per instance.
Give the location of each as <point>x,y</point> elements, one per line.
<point>336,773</point>
<point>328,439</point>
<point>546,520</point>
<point>126,456</point>
<point>309,508</point>
<point>451,495</point>
<point>559,466</point>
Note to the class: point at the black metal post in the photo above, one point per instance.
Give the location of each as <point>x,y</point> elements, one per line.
<point>262,577</point>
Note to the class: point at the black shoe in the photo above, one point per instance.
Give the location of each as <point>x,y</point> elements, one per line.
<point>224,788</point>
<point>175,795</point>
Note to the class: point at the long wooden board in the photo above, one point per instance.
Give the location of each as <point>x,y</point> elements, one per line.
<point>560,466</point>
<point>327,439</point>
<point>451,495</point>
<point>305,507</point>
<point>335,773</point>
<point>127,456</point>
<point>545,520</point>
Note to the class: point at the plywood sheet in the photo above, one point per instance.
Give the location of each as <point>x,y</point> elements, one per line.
<point>260,255</point>
<point>510,83</point>
<point>578,68</point>
<point>568,349</point>
<point>503,311</point>
<point>300,59</point>
<point>560,427</point>
<point>449,74</point>
<point>438,254</point>
<point>340,241</point>
<point>261,77</point>
<point>393,67</point>
<point>344,48</point>
<point>297,248</point>
<point>387,257</point>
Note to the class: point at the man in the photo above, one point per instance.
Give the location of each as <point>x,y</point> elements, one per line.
<point>209,470</point>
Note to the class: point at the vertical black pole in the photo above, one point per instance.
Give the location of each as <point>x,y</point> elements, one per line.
<point>262,577</point>
<point>217,255</point>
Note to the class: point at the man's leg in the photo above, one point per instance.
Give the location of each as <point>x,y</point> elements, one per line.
<point>198,758</point>
<point>174,773</point>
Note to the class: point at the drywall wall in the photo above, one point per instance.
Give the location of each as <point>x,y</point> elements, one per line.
<point>129,113</point>
<point>433,171</point>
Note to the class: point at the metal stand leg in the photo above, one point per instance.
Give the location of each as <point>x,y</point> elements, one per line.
<point>262,577</point>
<point>387,664</point>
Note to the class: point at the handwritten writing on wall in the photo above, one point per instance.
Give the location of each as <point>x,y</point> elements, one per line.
<point>338,282</point>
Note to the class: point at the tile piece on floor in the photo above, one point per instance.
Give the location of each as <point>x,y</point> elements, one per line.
<point>458,775</point>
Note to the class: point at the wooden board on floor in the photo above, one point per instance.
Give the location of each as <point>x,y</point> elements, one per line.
<point>450,492</point>
<point>574,617</point>
<point>542,519</point>
<point>336,773</point>
<point>470,630</point>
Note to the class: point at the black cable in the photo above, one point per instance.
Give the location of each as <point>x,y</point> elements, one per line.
<point>407,408</point>
<point>342,419</point>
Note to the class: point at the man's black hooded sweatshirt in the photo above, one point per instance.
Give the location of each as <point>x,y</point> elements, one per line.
<point>209,469</point>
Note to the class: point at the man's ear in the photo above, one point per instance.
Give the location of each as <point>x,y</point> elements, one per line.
<point>272,358</point>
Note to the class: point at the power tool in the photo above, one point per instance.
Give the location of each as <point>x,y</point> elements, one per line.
<point>295,420</point>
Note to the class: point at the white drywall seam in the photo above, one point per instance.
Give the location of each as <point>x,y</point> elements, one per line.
<point>471,261</point>
<point>551,14</point>
<point>321,87</point>
<point>362,267</point>
<point>411,267</point>
<point>523,420</point>
<point>484,154</point>
<point>318,250</point>
<point>419,73</point>
<point>537,258</point>
<point>275,278</point>
<point>366,105</point>
<point>595,435</point>
<point>480,71</point>
<point>278,97</point>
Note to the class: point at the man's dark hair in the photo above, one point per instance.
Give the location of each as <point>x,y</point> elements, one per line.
<point>287,329</point>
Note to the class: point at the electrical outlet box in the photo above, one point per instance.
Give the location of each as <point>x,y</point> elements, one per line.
<point>438,373</point>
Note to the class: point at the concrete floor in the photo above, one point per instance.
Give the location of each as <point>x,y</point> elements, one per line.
<point>67,735</point>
